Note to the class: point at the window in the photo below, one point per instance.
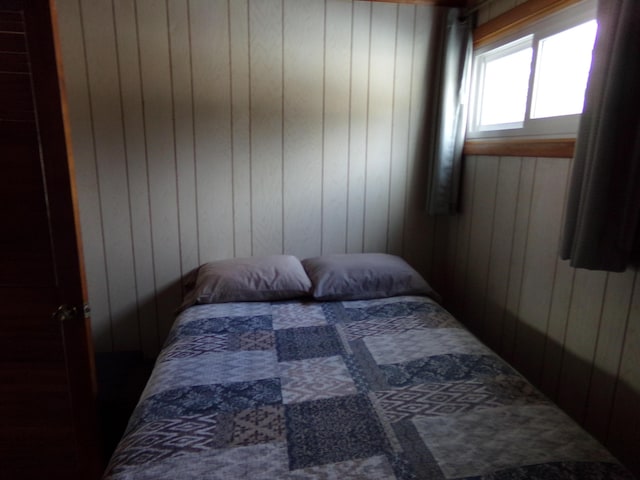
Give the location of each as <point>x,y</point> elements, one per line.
<point>534,84</point>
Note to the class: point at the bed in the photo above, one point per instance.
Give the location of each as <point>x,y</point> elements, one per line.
<point>376,381</point>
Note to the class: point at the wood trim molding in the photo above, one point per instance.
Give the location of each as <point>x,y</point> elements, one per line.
<point>538,147</point>
<point>516,19</point>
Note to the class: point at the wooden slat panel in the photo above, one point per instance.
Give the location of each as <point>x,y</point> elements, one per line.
<point>609,348</point>
<point>183,130</point>
<point>379,128</point>
<point>265,57</point>
<point>111,170</point>
<point>159,141</point>
<point>360,53</point>
<point>501,246</point>
<point>518,252</point>
<point>480,239</point>
<point>539,264</point>
<point>335,174</point>
<point>12,42</point>
<point>418,238</point>
<point>138,164</point>
<point>579,346</point>
<point>400,125</point>
<point>302,149</point>
<point>241,122</point>
<point>211,84</point>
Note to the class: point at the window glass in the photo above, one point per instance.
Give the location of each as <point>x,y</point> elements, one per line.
<point>506,82</point>
<point>564,60</point>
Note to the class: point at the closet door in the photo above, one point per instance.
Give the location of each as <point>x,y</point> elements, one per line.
<point>47,379</point>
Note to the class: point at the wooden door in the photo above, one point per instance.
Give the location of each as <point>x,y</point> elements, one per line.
<point>47,380</point>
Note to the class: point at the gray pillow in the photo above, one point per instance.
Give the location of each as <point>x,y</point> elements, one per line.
<point>276,277</point>
<point>360,276</point>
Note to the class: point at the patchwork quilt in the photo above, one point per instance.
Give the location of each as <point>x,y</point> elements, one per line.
<point>380,389</point>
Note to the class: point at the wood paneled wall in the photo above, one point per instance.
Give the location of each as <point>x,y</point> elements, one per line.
<point>574,333</point>
<point>208,129</point>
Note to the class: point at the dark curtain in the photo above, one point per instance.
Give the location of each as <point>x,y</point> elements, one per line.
<point>453,50</point>
<point>601,226</point>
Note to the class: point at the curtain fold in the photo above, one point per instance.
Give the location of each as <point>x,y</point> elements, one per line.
<point>451,78</point>
<point>603,209</point>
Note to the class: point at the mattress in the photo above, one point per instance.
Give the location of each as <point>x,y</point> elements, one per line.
<point>390,388</point>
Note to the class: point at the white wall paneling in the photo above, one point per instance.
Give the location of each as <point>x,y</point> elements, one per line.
<point>205,130</point>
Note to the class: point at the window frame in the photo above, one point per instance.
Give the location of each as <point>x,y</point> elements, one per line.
<point>548,128</point>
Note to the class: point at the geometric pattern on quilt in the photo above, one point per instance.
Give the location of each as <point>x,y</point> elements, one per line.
<point>258,425</point>
<point>370,328</point>
<point>444,368</point>
<point>482,441</point>
<point>307,342</point>
<point>165,437</point>
<point>332,430</point>
<point>219,367</point>
<point>416,344</point>
<point>294,315</point>
<point>372,468</point>
<point>237,309</point>
<point>207,399</point>
<point>258,340</point>
<point>431,399</point>
<point>404,309</point>
<point>315,378</point>
<point>222,325</point>
<point>264,461</point>
<point>194,346</point>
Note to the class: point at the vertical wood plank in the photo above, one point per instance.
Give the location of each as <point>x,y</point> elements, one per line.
<point>241,126</point>
<point>159,141</point>
<point>480,237</point>
<point>500,249</point>
<point>125,15</point>
<point>180,63</point>
<point>265,51</point>
<point>624,430</point>
<point>302,149</point>
<point>80,115</point>
<point>539,264</point>
<point>111,169</point>
<point>379,126</point>
<point>557,327</point>
<point>403,56</point>
<point>579,345</point>
<point>337,77</point>
<point>360,42</point>
<point>610,341</point>
<point>518,250</point>
<point>212,94</point>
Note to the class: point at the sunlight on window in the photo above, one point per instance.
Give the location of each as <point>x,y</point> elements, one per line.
<point>506,82</point>
<point>564,61</point>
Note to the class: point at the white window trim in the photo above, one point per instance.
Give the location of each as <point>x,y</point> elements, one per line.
<point>553,127</point>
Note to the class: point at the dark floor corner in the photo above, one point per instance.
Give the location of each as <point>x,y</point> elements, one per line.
<point>121,379</point>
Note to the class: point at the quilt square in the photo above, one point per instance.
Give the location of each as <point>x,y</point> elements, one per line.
<point>332,430</point>
<point>259,425</point>
<point>444,368</point>
<point>506,437</point>
<point>315,378</point>
<point>309,342</point>
<point>295,315</point>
